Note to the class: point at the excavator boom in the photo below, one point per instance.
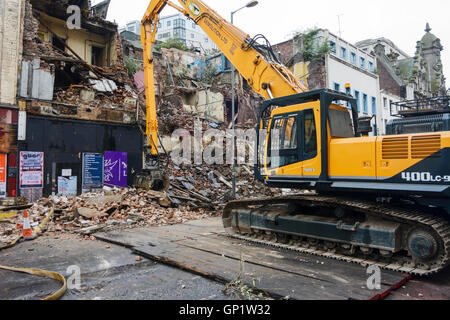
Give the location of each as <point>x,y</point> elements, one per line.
<point>264,74</point>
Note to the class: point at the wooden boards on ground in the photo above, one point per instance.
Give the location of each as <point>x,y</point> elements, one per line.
<point>201,247</point>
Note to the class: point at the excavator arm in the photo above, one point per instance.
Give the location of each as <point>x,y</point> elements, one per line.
<point>255,62</point>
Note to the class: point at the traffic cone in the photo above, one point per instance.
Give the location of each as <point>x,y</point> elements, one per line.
<point>27,232</point>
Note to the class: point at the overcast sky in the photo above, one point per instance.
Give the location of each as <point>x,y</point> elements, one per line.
<point>401,21</point>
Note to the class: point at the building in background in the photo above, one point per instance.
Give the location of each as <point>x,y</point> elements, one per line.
<point>321,59</point>
<point>393,87</point>
<point>179,27</point>
<point>133,26</point>
<point>404,78</point>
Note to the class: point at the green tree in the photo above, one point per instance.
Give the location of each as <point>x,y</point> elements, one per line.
<point>172,43</point>
<point>313,48</point>
<point>208,73</point>
<point>131,65</point>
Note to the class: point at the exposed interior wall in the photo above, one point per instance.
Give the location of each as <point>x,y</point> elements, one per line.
<point>81,41</point>
<point>56,83</point>
<point>311,73</point>
<point>301,72</point>
<point>11,12</point>
<point>206,104</point>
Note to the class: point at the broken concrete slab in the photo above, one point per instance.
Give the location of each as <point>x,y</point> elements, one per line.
<point>90,213</point>
<point>87,95</point>
<point>104,85</point>
<point>104,200</point>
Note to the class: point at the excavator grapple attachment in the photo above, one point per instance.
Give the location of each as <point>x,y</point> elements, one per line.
<point>155,180</point>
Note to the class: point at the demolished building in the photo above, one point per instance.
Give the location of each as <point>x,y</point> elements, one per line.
<point>72,86</point>
<point>67,92</point>
<point>203,84</point>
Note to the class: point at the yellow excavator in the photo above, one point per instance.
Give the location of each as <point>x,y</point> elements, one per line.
<point>373,200</point>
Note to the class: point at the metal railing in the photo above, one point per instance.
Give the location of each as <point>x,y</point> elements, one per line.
<point>421,106</point>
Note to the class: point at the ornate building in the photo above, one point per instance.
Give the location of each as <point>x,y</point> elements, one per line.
<point>428,74</point>
<point>422,73</point>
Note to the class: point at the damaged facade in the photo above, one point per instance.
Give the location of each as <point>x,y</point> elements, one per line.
<point>11,19</point>
<point>190,86</point>
<point>72,85</point>
<point>132,46</point>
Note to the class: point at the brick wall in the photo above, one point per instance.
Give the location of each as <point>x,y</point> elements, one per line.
<point>10,48</point>
<point>286,50</point>
<point>387,83</point>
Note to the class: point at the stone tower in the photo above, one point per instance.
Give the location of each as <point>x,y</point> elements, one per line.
<point>429,65</point>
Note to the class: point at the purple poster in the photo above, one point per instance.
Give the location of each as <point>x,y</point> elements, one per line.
<point>116,169</point>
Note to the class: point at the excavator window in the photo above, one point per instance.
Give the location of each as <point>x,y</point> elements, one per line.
<point>290,134</point>
<point>284,142</point>
<point>310,142</point>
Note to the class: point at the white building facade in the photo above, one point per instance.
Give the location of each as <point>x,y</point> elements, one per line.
<point>346,64</point>
<point>390,78</point>
<point>178,26</point>
<point>133,26</point>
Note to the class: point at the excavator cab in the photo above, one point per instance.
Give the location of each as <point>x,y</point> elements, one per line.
<point>295,148</point>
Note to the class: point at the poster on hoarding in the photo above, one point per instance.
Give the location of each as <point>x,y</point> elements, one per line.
<point>31,170</point>
<point>116,169</point>
<point>3,175</point>
<point>92,171</point>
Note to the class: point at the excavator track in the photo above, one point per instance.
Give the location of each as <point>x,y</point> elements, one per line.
<point>403,263</point>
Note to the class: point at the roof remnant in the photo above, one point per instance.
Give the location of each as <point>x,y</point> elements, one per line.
<point>100,10</point>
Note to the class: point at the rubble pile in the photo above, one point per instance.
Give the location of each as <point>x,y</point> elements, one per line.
<point>214,183</point>
<point>117,208</point>
<point>195,192</point>
<point>171,115</point>
<point>9,231</point>
<point>121,208</point>
<point>83,95</point>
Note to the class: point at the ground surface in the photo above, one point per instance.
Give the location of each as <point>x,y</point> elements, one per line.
<point>192,261</point>
<point>106,274</point>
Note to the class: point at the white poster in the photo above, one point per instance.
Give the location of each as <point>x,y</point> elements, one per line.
<point>31,170</point>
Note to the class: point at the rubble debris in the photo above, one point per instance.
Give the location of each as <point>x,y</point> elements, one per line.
<point>222,179</point>
<point>194,194</point>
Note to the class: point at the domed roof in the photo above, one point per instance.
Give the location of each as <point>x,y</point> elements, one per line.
<point>428,40</point>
